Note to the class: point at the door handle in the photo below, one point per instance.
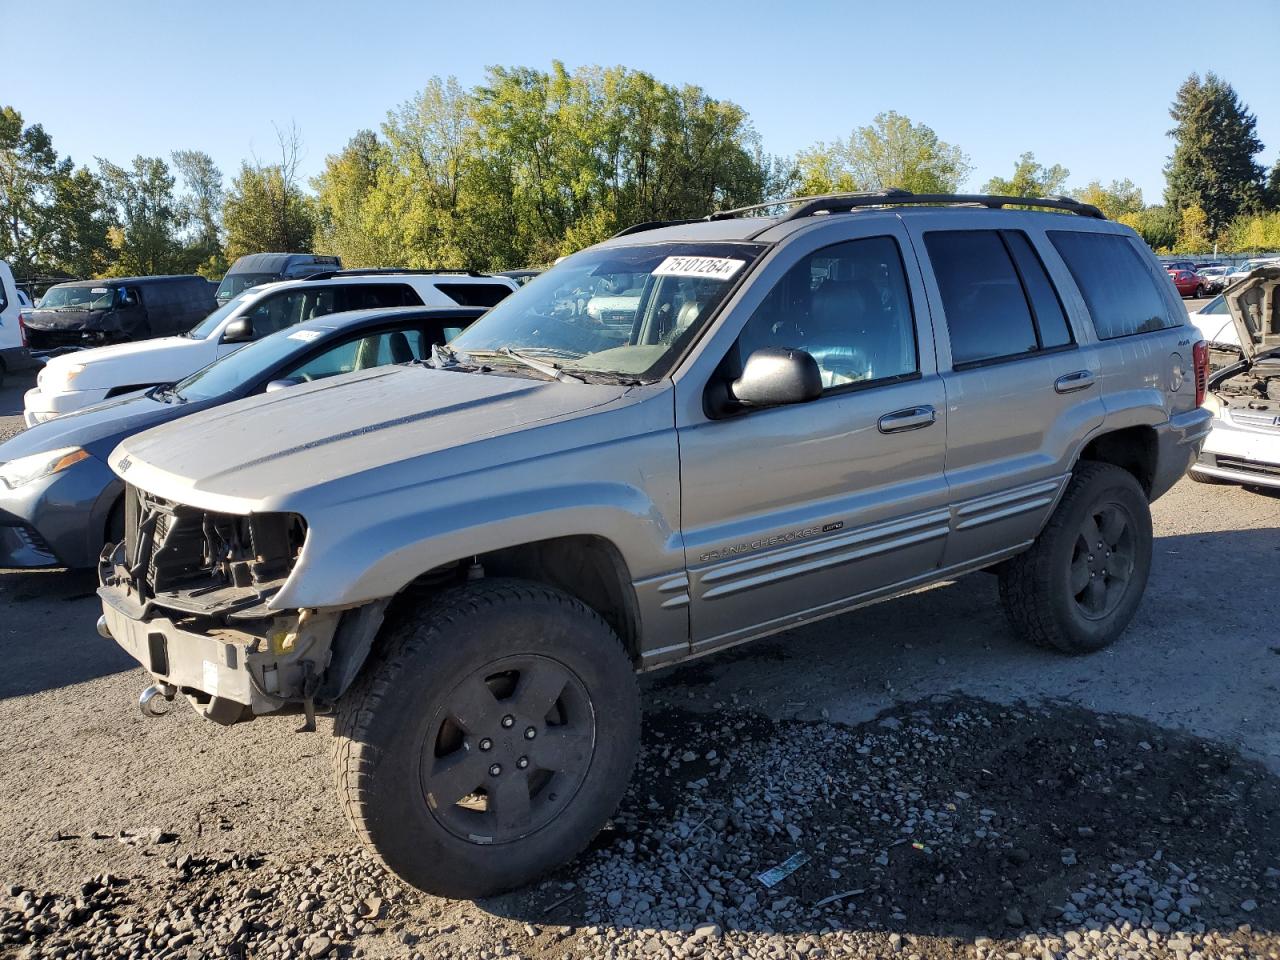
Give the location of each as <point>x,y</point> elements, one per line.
<point>1071,382</point>
<point>913,418</point>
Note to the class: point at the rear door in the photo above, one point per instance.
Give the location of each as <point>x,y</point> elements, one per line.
<point>793,512</point>
<point>1021,378</point>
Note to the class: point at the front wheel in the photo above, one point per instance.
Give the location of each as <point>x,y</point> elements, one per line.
<point>1079,585</point>
<point>490,741</point>
<point>1200,292</point>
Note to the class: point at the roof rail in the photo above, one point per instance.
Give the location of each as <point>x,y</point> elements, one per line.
<point>380,271</point>
<point>842,202</point>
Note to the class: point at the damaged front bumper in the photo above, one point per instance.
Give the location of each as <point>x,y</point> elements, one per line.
<point>215,639</point>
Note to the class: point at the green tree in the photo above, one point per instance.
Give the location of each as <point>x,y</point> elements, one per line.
<point>79,245</point>
<point>345,223</point>
<point>889,152</point>
<point>144,216</point>
<point>1193,231</point>
<point>200,211</point>
<point>1215,142</point>
<point>1030,179</point>
<point>29,175</point>
<point>266,211</point>
<point>1273,188</point>
<point>1157,225</point>
<point>1121,197</point>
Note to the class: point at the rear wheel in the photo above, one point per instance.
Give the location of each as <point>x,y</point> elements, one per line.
<point>1079,585</point>
<point>490,741</point>
<point>1200,292</point>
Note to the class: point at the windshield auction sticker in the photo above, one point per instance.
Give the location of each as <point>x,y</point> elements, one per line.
<point>306,336</point>
<point>710,268</point>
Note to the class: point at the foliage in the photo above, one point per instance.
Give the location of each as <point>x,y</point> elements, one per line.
<point>1213,163</point>
<point>1030,179</point>
<point>1259,233</point>
<point>1157,225</point>
<point>265,213</point>
<point>890,152</point>
<point>200,211</point>
<point>1121,197</point>
<point>144,215</point>
<point>1193,230</point>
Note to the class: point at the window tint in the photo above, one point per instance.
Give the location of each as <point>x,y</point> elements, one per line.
<point>1118,288</point>
<point>475,294</point>
<point>364,296</point>
<point>293,306</point>
<point>848,306</point>
<point>1051,321</point>
<point>363,353</point>
<point>987,313</point>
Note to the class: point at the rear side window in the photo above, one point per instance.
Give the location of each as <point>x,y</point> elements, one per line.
<point>998,300</point>
<point>1118,288</point>
<point>364,296</point>
<point>475,294</point>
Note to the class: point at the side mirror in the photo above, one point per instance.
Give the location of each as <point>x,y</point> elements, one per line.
<point>284,384</point>
<point>774,376</point>
<point>239,330</point>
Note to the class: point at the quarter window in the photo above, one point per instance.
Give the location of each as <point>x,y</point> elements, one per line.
<point>1118,287</point>
<point>475,294</point>
<point>998,300</point>
<point>847,306</point>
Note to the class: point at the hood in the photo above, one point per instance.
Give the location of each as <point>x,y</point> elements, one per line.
<point>163,360</point>
<point>255,453</point>
<point>100,428</point>
<point>63,319</point>
<point>1255,309</point>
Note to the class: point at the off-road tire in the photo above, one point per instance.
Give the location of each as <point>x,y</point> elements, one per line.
<point>1206,479</point>
<point>1035,588</point>
<point>384,723</point>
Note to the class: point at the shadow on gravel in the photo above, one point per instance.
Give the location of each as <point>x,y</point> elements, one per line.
<point>951,818</point>
<point>47,634</point>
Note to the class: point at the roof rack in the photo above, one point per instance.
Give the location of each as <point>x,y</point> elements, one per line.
<point>654,225</point>
<point>844,202</point>
<point>380,271</point>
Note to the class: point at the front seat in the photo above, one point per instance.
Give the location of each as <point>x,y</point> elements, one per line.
<point>398,345</point>
<point>831,332</point>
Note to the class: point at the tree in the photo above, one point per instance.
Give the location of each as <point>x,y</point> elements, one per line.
<point>266,210</point>
<point>1030,179</point>
<point>890,152</point>
<point>345,224</point>
<point>1272,198</point>
<point>1120,198</point>
<point>144,217</point>
<point>29,175</point>
<point>200,210</point>
<point>80,223</point>
<point>1193,231</point>
<point>1157,225</point>
<point>1215,141</point>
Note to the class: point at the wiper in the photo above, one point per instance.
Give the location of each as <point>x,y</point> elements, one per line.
<point>553,370</point>
<point>166,392</point>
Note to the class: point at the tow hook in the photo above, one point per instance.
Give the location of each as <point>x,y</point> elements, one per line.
<point>103,630</point>
<point>147,702</point>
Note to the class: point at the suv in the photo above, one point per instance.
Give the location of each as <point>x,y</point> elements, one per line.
<point>73,381</point>
<point>255,269</point>
<point>794,416</point>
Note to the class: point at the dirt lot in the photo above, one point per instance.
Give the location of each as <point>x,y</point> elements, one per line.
<point>955,793</point>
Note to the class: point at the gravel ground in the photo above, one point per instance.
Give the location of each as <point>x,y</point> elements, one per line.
<point>955,794</point>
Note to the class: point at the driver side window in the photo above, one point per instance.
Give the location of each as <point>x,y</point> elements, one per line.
<point>363,353</point>
<point>848,307</point>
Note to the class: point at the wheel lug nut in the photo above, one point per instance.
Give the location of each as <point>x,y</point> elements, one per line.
<point>530,733</point>
<point>508,721</point>
<point>495,770</point>
<point>1091,558</point>
<point>522,762</point>
<point>486,744</point>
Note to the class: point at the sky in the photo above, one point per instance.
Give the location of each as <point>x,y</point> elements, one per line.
<point>1083,84</point>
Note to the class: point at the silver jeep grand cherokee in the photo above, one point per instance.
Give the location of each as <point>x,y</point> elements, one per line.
<point>686,437</point>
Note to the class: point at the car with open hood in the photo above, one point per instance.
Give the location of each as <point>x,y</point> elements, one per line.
<point>60,502</point>
<point>1243,389</point>
<point>687,437</point>
<point>77,380</point>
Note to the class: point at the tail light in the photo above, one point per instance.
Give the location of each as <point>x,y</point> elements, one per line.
<point>1200,357</point>
<point>22,329</point>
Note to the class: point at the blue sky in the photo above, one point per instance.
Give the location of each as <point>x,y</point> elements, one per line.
<point>1086,84</point>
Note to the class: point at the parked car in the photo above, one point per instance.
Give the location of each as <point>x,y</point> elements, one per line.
<point>1214,278</point>
<point>1242,270</point>
<point>807,413</point>
<point>1244,392</point>
<point>87,313</point>
<point>255,269</point>
<point>1188,283</point>
<point>14,354</point>
<point>520,276</point>
<point>1179,265</point>
<point>60,502</point>
<point>80,380</point>
<point>1214,322</point>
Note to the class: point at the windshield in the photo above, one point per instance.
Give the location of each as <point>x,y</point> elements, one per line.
<point>250,361</point>
<point>234,283</point>
<point>204,329</point>
<point>77,298</point>
<point>1217,305</point>
<point>621,310</point>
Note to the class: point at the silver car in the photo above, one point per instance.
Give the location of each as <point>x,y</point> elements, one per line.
<point>688,437</point>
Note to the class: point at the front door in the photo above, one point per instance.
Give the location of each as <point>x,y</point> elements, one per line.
<point>793,512</point>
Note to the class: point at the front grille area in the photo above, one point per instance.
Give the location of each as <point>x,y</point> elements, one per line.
<point>1249,466</point>
<point>206,563</point>
<point>38,339</point>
